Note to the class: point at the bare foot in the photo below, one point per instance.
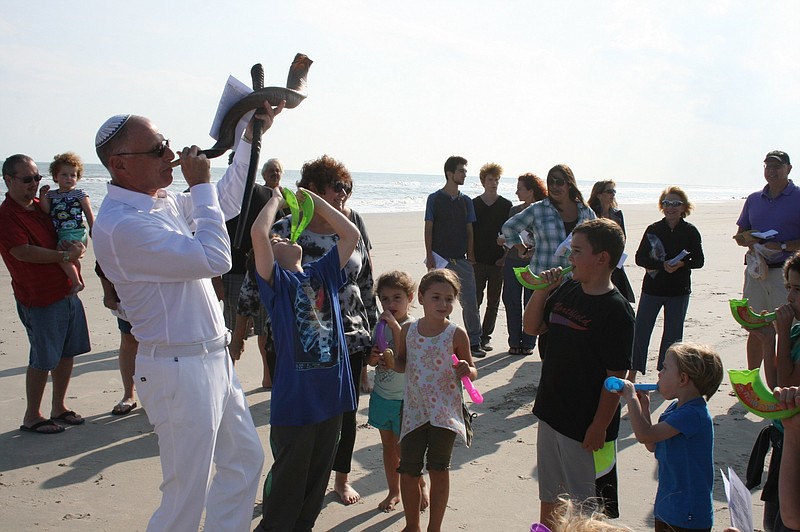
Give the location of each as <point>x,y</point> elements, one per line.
<point>388,504</point>
<point>346,493</point>
<point>425,498</point>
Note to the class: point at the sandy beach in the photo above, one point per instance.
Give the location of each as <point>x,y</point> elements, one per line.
<point>105,474</point>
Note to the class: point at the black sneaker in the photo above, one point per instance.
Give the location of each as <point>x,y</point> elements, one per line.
<point>485,345</point>
<point>477,352</point>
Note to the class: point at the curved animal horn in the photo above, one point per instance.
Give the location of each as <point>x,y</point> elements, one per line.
<point>294,93</point>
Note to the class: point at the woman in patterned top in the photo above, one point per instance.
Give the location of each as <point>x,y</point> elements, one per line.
<point>331,180</point>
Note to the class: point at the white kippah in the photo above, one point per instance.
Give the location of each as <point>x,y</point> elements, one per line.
<point>109,129</point>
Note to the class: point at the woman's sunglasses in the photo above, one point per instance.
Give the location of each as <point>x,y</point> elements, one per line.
<point>341,186</point>
<point>671,203</point>
<point>556,181</point>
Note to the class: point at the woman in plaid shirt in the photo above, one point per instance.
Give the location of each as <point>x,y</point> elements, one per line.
<point>550,220</point>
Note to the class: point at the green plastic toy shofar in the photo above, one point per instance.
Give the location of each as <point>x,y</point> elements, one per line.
<point>301,214</point>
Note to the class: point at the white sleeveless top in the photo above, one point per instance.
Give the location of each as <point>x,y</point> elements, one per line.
<point>433,392</point>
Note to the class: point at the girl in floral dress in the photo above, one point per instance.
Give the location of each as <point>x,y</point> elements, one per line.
<point>432,413</point>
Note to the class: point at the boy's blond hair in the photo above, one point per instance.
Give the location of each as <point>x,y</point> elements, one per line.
<point>701,364</point>
<point>572,517</point>
<point>490,169</point>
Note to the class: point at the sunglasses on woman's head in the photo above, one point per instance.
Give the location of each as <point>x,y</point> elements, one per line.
<point>671,203</point>
<point>28,178</point>
<point>341,186</point>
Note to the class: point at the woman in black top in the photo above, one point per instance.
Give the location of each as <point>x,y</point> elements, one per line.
<point>603,201</point>
<point>667,282</point>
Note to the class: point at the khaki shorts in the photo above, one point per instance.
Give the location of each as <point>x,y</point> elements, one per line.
<point>768,294</point>
<point>565,467</point>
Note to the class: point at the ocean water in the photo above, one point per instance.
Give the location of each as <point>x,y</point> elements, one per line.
<point>384,192</point>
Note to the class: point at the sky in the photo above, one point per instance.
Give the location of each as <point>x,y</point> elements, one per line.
<point>679,91</point>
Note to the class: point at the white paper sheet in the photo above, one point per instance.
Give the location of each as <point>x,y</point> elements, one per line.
<point>564,248</point>
<point>438,260</point>
<point>740,502</point>
<point>234,91</point>
<point>677,258</point>
<point>765,234</point>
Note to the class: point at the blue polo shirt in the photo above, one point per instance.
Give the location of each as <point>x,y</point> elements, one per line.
<point>781,213</point>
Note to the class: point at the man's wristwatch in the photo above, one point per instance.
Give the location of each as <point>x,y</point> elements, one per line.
<point>65,256</point>
<point>783,246</point>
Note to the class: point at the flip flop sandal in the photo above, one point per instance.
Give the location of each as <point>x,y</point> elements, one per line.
<point>44,423</point>
<point>122,408</point>
<point>65,417</point>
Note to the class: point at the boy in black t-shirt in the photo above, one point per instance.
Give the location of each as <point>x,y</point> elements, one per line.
<point>590,337</point>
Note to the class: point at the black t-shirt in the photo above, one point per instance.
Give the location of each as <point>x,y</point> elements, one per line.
<point>489,221</point>
<point>587,336</point>
<point>261,195</point>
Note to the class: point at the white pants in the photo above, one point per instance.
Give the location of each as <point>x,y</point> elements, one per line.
<point>200,415</point>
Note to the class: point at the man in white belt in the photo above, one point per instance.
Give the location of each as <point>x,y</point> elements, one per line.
<point>160,249</point>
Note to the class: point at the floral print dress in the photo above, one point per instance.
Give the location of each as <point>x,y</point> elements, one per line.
<point>433,392</point>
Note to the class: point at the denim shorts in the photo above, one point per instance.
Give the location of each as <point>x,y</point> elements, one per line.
<point>384,414</point>
<point>55,331</point>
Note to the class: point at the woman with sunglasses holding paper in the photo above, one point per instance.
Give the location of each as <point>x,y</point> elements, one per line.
<point>549,221</point>
<point>331,180</point>
<point>670,249</point>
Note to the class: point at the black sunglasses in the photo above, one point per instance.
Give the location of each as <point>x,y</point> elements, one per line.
<point>557,181</point>
<point>157,152</point>
<point>341,186</point>
<point>610,191</point>
<point>28,179</point>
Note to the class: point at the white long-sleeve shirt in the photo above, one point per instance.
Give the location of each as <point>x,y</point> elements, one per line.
<point>160,269</point>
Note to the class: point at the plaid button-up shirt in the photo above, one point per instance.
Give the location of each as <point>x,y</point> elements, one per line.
<point>545,225</point>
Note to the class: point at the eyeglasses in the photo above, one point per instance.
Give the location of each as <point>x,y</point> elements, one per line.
<point>610,191</point>
<point>27,179</point>
<point>556,181</point>
<point>671,203</point>
<point>157,152</point>
<point>341,186</point>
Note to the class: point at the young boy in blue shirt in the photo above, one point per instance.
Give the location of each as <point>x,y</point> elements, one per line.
<point>590,337</point>
<point>312,385</point>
